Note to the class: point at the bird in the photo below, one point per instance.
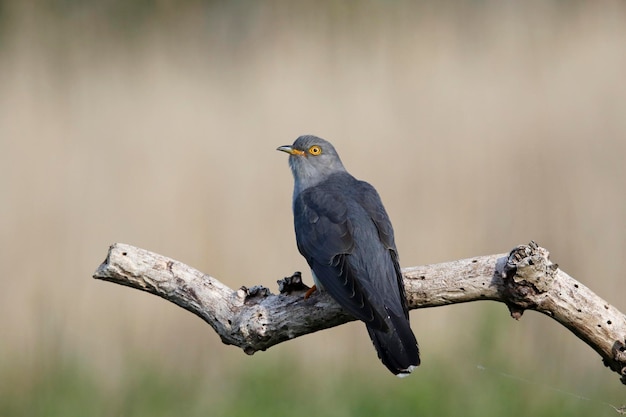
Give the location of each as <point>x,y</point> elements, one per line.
<point>344,233</point>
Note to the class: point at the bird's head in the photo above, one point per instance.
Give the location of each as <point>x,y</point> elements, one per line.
<point>312,160</point>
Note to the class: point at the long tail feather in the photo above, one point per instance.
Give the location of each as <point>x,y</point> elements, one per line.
<point>397,347</point>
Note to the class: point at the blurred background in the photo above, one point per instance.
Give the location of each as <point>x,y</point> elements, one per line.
<point>483,124</point>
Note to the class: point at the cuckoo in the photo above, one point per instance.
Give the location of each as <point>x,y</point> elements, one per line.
<point>346,237</point>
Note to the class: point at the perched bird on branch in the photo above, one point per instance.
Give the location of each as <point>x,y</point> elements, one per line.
<point>345,235</point>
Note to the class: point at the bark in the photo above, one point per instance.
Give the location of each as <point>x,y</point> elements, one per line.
<point>255,319</point>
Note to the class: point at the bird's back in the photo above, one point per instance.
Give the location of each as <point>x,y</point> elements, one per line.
<point>345,234</point>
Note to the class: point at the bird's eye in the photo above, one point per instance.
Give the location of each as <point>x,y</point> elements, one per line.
<point>315,150</point>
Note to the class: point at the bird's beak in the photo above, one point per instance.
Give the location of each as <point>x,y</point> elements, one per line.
<point>290,150</point>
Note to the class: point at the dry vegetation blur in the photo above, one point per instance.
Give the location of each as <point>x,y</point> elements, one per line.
<point>482,124</point>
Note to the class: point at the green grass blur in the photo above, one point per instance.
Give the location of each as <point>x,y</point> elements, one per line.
<point>284,388</point>
<point>287,384</point>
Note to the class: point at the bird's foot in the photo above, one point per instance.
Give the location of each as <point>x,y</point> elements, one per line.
<point>310,291</point>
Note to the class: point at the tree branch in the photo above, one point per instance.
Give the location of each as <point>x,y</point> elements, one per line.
<point>255,319</point>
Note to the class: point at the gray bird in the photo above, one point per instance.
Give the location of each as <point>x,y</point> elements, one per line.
<point>346,237</point>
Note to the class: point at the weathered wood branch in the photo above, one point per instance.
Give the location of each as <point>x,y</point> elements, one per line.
<point>255,319</point>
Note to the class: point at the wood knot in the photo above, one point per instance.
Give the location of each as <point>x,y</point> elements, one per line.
<point>292,284</point>
<point>527,273</point>
<point>619,352</point>
<point>619,356</point>
<point>258,291</point>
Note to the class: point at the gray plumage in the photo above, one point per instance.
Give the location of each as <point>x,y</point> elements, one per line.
<point>344,233</point>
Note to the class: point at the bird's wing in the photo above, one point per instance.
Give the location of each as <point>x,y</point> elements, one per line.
<point>324,237</point>
<point>369,199</point>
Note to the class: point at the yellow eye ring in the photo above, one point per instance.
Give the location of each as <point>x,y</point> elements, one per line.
<point>315,150</point>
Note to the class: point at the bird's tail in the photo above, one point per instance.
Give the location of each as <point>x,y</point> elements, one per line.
<point>396,346</point>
